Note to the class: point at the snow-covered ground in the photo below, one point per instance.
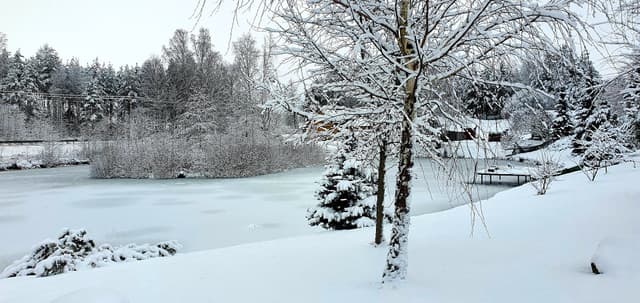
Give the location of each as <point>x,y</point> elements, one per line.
<point>559,151</point>
<point>538,250</point>
<point>474,149</point>
<point>27,153</point>
<point>199,214</point>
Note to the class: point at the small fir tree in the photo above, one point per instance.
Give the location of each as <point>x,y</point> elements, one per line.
<point>345,194</point>
<point>561,125</point>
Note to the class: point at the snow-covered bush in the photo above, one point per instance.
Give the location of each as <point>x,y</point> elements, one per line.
<point>526,116</point>
<point>74,250</point>
<point>603,147</point>
<point>154,157</point>
<point>50,155</point>
<point>346,194</point>
<point>544,173</point>
<point>14,125</point>
<point>164,156</point>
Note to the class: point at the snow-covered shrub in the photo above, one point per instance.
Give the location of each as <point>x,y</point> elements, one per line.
<point>544,173</point>
<point>527,116</point>
<point>74,250</point>
<point>12,123</point>
<point>50,155</point>
<point>234,158</point>
<point>164,156</point>
<point>15,125</point>
<point>346,194</point>
<point>603,147</point>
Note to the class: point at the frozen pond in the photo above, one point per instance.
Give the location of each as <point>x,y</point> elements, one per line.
<point>200,214</point>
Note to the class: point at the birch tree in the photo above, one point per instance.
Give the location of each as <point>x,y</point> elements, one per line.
<point>409,47</point>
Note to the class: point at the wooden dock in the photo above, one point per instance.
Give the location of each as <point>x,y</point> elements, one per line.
<point>491,172</point>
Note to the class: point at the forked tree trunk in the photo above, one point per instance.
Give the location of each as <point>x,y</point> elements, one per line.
<point>382,158</point>
<point>397,258</point>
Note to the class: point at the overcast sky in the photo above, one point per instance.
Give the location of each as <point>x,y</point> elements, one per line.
<point>121,31</point>
<point>116,31</point>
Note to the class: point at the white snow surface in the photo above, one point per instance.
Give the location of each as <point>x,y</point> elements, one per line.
<point>197,213</point>
<point>539,250</point>
<point>29,155</point>
<point>618,255</point>
<point>559,151</point>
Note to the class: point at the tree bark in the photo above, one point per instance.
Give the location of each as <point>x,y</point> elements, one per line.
<point>382,158</point>
<point>397,257</point>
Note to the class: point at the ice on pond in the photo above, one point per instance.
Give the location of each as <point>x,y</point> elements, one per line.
<point>198,213</point>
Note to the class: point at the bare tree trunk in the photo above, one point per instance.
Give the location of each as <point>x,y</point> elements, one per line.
<point>382,158</point>
<point>397,258</point>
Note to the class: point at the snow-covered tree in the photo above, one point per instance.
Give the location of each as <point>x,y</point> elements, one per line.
<point>631,97</point>
<point>345,194</point>
<point>4,57</point>
<point>45,64</point>
<point>129,88</point>
<point>93,107</point>
<point>561,124</point>
<point>69,79</point>
<point>19,86</point>
<point>199,118</point>
<point>180,73</point>
<point>153,86</point>
<point>485,100</point>
<point>603,146</point>
<point>588,115</point>
<point>409,46</point>
<point>245,93</point>
<point>527,116</point>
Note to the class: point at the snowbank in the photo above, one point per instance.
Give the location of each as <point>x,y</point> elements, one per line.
<point>28,156</point>
<point>73,250</point>
<point>539,251</point>
<point>560,151</point>
<point>617,255</point>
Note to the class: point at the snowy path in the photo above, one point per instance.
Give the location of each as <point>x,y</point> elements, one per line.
<point>200,214</point>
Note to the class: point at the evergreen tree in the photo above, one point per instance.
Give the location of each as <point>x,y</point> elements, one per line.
<point>344,195</point>
<point>557,74</point>
<point>93,108</point>
<point>631,97</point>
<point>600,118</point>
<point>129,87</point>
<point>588,118</point>
<point>561,125</point>
<point>45,63</point>
<point>19,86</point>
<point>69,79</point>
<point>4,57</point>
<point>485,100</point>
